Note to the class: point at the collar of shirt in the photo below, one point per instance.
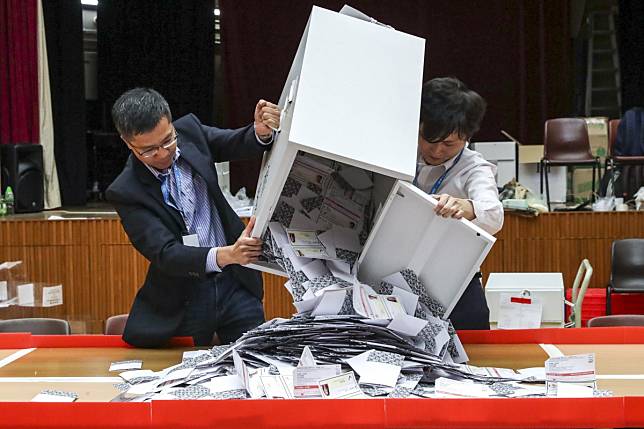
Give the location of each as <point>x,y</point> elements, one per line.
<point>159,173</point>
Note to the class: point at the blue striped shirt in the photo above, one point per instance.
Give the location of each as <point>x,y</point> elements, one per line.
<point>187,192</point>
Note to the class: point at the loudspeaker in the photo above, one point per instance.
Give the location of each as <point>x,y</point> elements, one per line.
<point>22,169</point>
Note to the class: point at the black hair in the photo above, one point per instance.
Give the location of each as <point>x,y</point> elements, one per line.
<point>138,111</point>
<point>448,106</point>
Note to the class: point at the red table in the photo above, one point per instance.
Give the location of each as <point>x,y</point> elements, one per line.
<point>374,413</point>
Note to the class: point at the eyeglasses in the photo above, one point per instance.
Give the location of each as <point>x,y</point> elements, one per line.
<point>150,152</point>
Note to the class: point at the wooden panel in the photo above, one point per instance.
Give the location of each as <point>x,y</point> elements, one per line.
<point>277,300</point>
<point>101,271</point>
<point>557,242</point>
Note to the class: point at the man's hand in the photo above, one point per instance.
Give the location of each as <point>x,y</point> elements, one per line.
<point>449,206</point>
<point>267,119</point>
<point>245,250</point>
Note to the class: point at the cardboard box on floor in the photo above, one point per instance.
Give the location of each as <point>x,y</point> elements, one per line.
<point>582,177</point>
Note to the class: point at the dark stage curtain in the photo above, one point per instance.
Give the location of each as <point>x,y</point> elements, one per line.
<point>630,33</point>
<point>18,72</point>
<point>516,54</point>
<point>164,44</point>
<point>64,33</point>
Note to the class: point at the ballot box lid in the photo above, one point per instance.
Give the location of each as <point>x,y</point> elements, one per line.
<point>356,95</point>
<point>444,252</point>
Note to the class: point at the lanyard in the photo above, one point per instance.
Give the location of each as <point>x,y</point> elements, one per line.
<point>439,181</point>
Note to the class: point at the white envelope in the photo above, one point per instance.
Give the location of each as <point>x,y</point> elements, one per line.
<point>330,303</point>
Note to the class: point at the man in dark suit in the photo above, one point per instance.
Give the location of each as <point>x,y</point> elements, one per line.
<point>175,215</point>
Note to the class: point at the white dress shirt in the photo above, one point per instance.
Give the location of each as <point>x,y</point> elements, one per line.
<point>472,178</point>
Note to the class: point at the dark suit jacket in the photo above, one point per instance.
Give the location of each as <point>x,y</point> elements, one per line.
<point>156,230</point>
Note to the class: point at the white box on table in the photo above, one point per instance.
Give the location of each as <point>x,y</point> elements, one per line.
<point>548,287</point>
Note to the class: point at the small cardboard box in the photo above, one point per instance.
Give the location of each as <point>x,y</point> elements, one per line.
<point>582,176</point>
<point>598,136</point>
<point>39,294</point>
<point>530,154</point>
<point>11,274</point>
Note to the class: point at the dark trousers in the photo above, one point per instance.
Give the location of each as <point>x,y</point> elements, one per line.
<point>220,306</point>
<point>471,311</point>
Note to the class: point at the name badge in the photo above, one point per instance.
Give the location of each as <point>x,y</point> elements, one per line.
<point>191,240</point>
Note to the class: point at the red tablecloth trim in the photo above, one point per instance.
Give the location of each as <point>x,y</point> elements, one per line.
<point>505,413</point>
<point>634,411</point>
<point>613,335</point>
<point>15,341</point>
<point>26,340</point>
<point>295,414</point>
<point>313,414</point>
<point>49,415</point>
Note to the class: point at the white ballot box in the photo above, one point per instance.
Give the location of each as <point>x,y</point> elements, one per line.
<point>501,154</point>
<point>347,144</point>
<point>548,288</point>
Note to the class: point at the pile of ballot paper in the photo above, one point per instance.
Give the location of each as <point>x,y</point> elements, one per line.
<point>319,357</point>
<point>339,357</point>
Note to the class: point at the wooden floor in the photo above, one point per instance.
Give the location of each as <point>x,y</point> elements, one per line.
<point>100,270</point>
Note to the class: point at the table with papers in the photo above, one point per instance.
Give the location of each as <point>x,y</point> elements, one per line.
<point>29,364</point>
